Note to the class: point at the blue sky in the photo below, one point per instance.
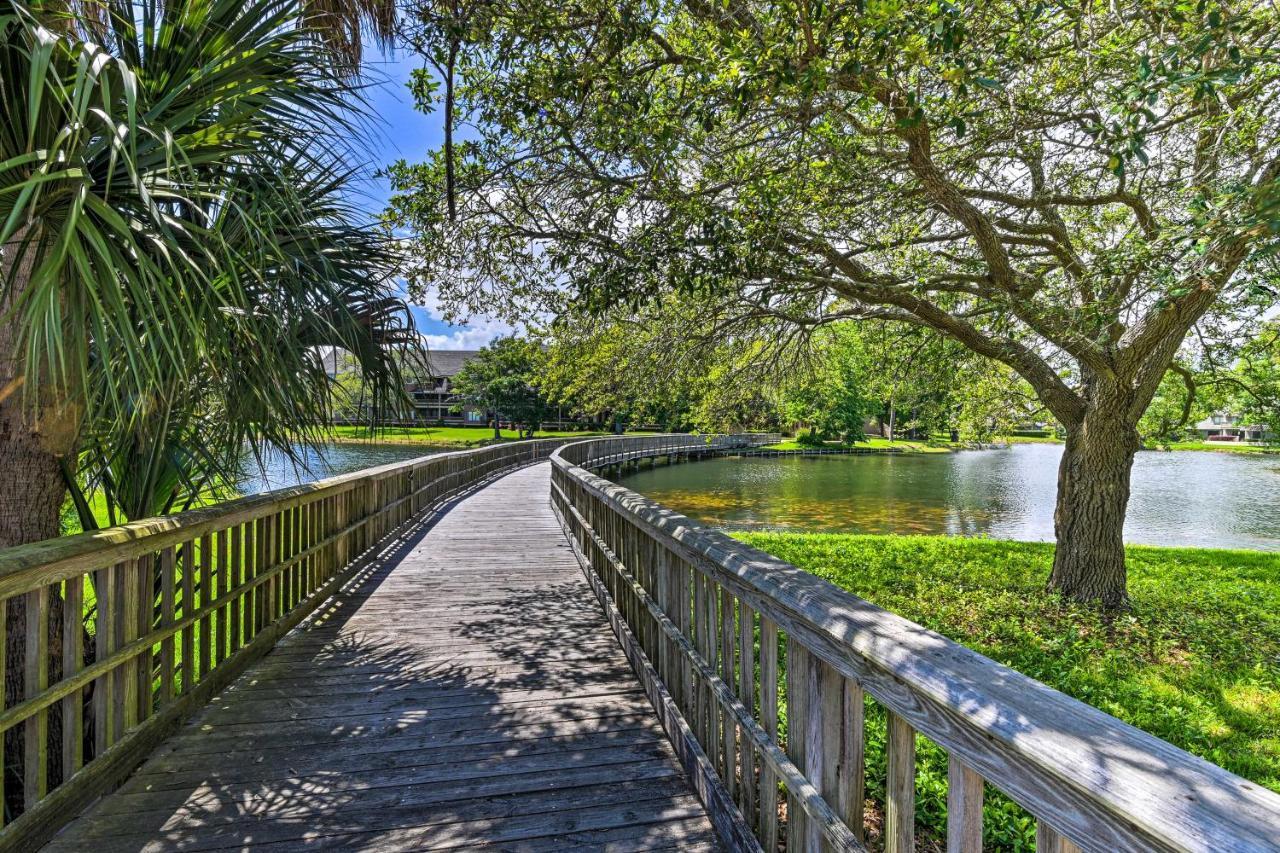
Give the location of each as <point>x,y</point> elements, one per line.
<point>401,132</point>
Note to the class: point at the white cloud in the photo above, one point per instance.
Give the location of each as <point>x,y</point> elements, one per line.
<point>475,333</point>
<point>472,336</point>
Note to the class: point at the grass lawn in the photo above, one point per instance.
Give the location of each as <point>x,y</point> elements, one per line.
<point>1197,663</point>
<point>443,436</point>
<point>875,442</point>
<point>1028,439</point>
<point>1224,446</point>
<point>1221,446</point>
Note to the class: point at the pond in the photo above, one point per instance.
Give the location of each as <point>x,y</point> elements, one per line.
<point>1189,498</point>
<point>328,460</point>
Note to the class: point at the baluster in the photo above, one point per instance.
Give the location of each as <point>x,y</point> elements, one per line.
<point>769,721</point>
<point>804,746</point>
<point>964,808</point>
<point>145,591</point>
<point>295,548</point>
<point>728,726</point>
<point>747,695</point>
<point>35,679</point>
<point>167,618</point>
<point>249,610</point>
<point>851,777</point>
<point>104,644</point>
<point>900,798</point>
<point>711,628</point>
<point>270,559</point>
<point>310,538</point>
<point>662,595</point>
<point>126,632</point>
<point>204,575</point>
<point>699,642</point>
<point>1049,840</point>
<point>188,561</point>
<point>72,662</point>
<point>222,586</point>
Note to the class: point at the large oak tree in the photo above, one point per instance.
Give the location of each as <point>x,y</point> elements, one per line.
<point>1063,187</point>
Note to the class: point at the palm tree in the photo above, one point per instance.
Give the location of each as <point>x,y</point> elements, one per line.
<point>175,242</point>
<point>169,201</point>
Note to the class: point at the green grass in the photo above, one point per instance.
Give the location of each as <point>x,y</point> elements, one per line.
<point>876,443</point>
<point>1197,663</point>
<point>1222,446</point>
<point>452,437</point>
<point>1028,439</point>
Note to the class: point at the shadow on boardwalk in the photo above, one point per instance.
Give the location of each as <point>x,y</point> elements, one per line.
<point>465,692</point>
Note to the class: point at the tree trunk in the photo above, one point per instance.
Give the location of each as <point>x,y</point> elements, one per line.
<point>1093,493</point>
<point>37,431</point>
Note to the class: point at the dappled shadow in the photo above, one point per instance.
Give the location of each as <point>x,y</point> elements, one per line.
<point>442,725</point>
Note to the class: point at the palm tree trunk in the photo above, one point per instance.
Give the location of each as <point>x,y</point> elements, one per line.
<point>37,432</point>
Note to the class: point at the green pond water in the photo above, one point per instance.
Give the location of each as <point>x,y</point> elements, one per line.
<point>1202,499</point>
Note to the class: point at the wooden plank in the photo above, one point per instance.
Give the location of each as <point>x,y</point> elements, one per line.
<point>204,579</point>
<point>221,585</point>
<point>728,731</point>
<point>851,777</point>
<point>188,562</point>
<point>768,798</point>
<point>747,695</point>
<point>104,644</point>
<point>964,808</point>
<point>236,581</point>
<point>145,590</point>
<point>1049,840</point>
<point>900,794</point>
<point>72,662</point>
<point>168,613</point>
<point>128,579</point>
<point>35,678</point>
<point>798,695</point>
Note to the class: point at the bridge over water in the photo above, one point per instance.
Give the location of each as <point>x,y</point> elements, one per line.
<point>495,649</point>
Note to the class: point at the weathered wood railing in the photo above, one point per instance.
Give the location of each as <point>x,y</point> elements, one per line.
<point>759,672</point>
<point>174,608</point>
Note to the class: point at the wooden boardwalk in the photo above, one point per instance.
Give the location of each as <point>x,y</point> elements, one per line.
<point>465,693</point>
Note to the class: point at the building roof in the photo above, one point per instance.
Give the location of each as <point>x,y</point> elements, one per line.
<point>447,362</point>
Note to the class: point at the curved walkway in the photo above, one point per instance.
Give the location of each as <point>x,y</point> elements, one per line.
<point>465,693</point>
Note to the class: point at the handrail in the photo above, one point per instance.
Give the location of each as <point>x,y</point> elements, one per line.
<point>183,604</point>
<point>704,616</point>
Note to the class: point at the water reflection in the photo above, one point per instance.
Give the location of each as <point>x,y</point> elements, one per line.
<point>328,460</point>
<point>1182,498</point>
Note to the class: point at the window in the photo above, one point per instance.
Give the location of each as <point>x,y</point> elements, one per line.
<point>474,417</point>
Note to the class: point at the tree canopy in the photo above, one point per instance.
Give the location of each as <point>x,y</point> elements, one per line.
<point>1063,188</point>
<point>501,379</point>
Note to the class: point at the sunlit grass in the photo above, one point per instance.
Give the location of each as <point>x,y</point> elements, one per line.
<point>447,437</point>
<point>875,443</point>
